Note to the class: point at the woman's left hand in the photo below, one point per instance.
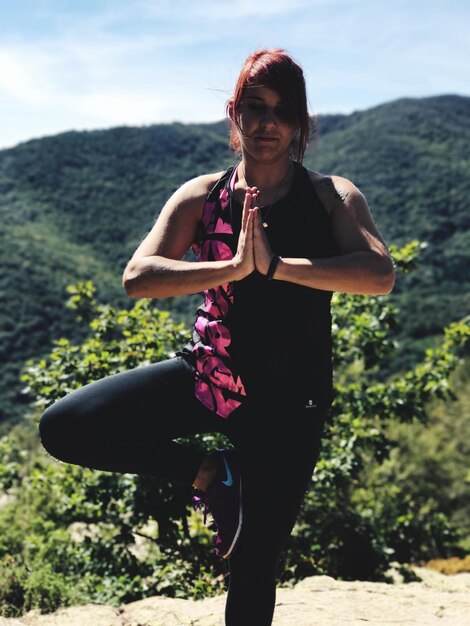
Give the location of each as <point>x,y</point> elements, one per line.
<point>262,249</point>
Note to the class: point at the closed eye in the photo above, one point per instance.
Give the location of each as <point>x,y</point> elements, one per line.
<point>281,112</point>
<point>255,106</point>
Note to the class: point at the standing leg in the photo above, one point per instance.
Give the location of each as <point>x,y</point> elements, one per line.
<point>276,467</point>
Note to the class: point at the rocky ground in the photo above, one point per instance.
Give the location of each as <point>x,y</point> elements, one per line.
<point>317,601</point>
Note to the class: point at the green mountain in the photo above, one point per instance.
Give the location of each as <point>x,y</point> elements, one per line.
<point>74,206</point>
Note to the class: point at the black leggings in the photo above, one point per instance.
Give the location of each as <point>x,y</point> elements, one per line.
<point>127,423</point>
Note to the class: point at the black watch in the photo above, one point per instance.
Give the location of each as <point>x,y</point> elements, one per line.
<point>272,267</point>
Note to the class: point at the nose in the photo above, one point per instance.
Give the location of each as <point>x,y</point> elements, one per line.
<point>268,118</point>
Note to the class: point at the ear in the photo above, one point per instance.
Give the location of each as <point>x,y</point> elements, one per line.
<point>231,110</point>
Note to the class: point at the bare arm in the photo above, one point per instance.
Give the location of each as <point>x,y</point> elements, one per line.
<point>156,269</point>
<point>364,265</point>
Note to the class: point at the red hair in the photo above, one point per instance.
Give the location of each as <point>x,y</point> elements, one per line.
<point>276,70</point>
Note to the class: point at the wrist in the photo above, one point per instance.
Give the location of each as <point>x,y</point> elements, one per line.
<point>238,269</point>
<point>273,267</point>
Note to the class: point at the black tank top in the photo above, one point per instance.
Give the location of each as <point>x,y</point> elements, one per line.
<point>256,338</point>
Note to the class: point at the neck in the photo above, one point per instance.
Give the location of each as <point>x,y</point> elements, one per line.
<point>265,176</point>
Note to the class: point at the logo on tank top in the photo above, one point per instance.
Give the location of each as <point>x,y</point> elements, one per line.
<point>310,405</point>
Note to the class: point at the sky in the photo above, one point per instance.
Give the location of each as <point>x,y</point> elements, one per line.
<point>87,64</point>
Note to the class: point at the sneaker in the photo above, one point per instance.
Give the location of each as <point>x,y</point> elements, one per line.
<point>223,500</point>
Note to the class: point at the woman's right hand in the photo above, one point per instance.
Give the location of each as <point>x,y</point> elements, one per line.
<point>244,259</point>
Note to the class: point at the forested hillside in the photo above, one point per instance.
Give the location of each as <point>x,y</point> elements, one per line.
<point>74,206</point>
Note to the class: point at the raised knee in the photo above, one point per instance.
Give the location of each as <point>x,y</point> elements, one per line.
<point>46,429</point>
<point>52,431</point>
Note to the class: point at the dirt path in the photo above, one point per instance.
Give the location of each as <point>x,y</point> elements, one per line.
<point>317,601</point>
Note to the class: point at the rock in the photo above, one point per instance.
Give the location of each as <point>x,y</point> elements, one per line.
<point>316,601</point>
<point>87,615</point>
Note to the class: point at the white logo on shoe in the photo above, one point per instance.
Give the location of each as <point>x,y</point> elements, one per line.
<point>229,481</point>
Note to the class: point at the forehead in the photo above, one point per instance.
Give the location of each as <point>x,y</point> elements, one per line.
<point>258,92</point>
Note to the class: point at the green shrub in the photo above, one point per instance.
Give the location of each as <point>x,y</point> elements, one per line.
<point>114,538</point>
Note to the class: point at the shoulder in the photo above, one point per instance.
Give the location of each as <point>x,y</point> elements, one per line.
<point>335,192</point>
<point>191,196</point>
<point>197,188</point>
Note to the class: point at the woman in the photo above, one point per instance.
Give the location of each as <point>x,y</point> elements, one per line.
<point>273,241</point>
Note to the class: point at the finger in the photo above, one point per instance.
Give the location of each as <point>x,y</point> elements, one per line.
<point>246,237</point>
<point>249,226</point>
<point>256,227</point>
<point>257,219</point>
<point>246,209</point>
<point>259,233</point>
<point>250,220</point>
<point>250,237</point>
<point>254,192</point>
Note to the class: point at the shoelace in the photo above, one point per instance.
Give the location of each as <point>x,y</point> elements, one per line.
<point>200,503</point>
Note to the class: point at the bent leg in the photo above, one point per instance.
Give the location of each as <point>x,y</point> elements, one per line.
<point>126,423</point>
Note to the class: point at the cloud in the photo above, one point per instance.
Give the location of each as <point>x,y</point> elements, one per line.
<point>115,107</point>
<point>24,76</point>
<point>96,81</point>
<point>225,14</point>
<point>107,63</point>
<point>82,82</point>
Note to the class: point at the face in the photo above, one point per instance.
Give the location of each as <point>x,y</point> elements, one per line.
<point>265,133</point>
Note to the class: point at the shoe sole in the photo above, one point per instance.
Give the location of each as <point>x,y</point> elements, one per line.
<point>240,521</point>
